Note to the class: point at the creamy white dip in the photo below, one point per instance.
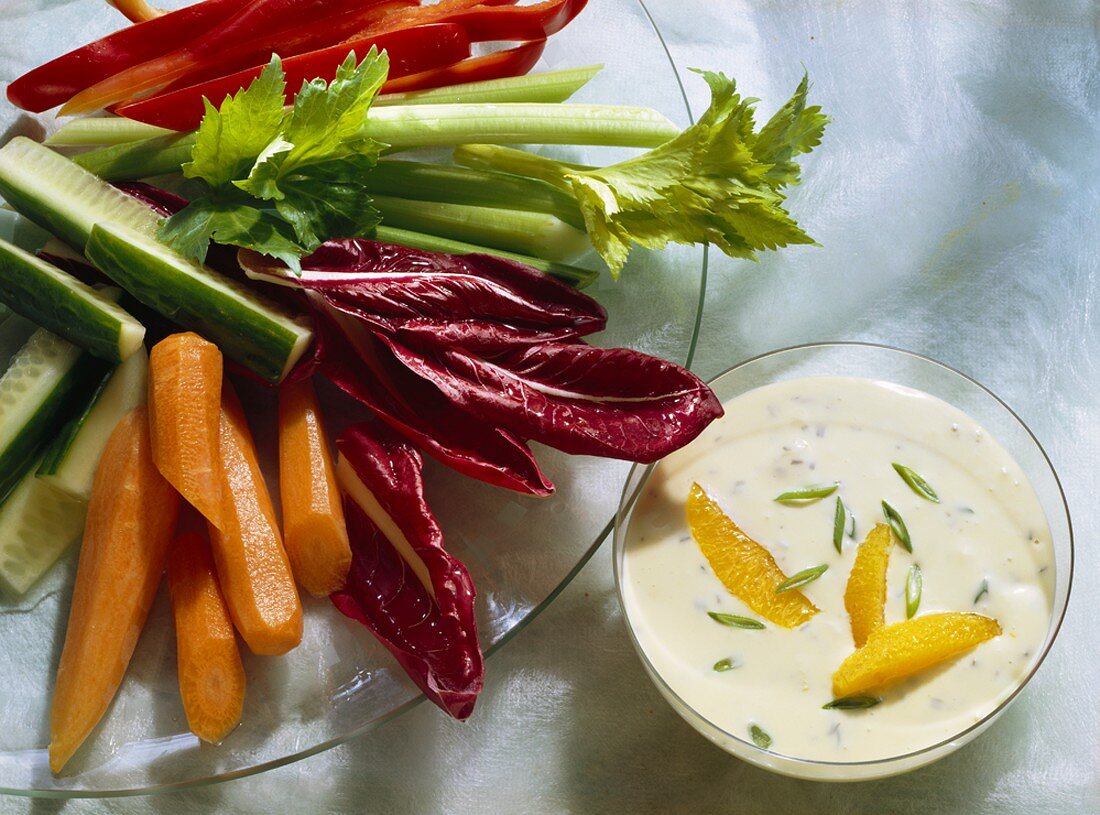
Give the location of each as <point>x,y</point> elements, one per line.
<point>988,532</point>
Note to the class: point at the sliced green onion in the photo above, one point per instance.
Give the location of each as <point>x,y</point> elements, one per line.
<point>547,86</point>
<point>914,585</point>
<point>760,738</point>
<point>898,525</point>
<point>852,703</point>
<point>573,275</point>
<point>916,482</point>
<point>527,233</point>
<point>797,581</point>
<point>735,620</point>
<point>840,520</point>
<point>811,493</point>
<point>723,665</point>
<point>462,185</point>
<point>983,590</point>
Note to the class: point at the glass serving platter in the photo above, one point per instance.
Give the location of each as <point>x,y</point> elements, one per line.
<point>520,551</point>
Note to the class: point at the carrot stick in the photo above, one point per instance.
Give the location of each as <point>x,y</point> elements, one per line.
<point>211,676</point>
<point>131,516</point>
<point>313,515</point>
<point>185,386</point>
<point>252,565</point>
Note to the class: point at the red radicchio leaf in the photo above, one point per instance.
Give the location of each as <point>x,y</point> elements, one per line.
<point>383,280</point>
<point>414,597</point>
<point>363,368</point>
<point>584,400</point>
<point>162,202</point>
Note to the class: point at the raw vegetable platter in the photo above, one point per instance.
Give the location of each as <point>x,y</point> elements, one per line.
<point>519,550</point>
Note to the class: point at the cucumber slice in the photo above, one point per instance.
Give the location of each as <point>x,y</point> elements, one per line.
<point>63,198</point>
<point>37,524</point>
<point>62,304</point>
<point>248,328</point>
<point>45,379</point>
<point>14,333</point>
<point>70,461</point>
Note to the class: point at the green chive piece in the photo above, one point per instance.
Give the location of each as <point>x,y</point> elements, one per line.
<point>983,590</point>
<point>898,525</point>
<point>916,483</point>
<point>723,665</point>
<point>811,493</point>
<point>914,584</point>
<point>852,703</point>
<point>735,621</point>
<point>759,737</point>
<point>840,520</point>
<point>797,581</point>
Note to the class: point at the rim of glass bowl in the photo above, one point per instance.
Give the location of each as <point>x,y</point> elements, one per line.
<point>328,744</point>
<point>630,495</point>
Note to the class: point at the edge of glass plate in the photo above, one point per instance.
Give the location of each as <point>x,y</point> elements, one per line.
<point>322,747</point>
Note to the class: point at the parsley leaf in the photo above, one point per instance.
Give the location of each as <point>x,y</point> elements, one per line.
<point>282,182</point>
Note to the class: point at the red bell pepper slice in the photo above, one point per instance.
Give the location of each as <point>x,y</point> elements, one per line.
<point>59,79</point>
<point>413,51</point>
<point>511,62</point>
<point>491,20</point>
<point>243,40</point>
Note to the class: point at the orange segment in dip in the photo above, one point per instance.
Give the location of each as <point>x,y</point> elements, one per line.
<point>865,596</point>
<point>746,569</point>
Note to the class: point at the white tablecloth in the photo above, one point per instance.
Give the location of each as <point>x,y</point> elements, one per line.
<point>957,198</point>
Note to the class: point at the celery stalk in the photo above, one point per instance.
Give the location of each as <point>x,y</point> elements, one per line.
<point>139,159</point>
<point>573,275</point>
<point>460,185</point>
<point>527,233</point>
<point>508,160</point>
<point>516,123</point>
<point>548,86</point>
<point>103,130</point>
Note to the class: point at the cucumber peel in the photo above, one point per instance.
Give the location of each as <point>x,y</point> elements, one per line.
<point>66,306</point>
<point>248,328</point>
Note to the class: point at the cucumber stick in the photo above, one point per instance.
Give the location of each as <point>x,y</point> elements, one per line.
<point>14,332</point>
<point>46,378</point>
<point>62,198</point>
<point>37,524</point>
<point>70,461</point>
<point>59,302</point>
<point>66,199</point>
<point>248,328</point>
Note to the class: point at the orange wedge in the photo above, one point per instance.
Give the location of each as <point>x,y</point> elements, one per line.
<point>746,569</point>
<point>898,651</point>
<point>865,596</point>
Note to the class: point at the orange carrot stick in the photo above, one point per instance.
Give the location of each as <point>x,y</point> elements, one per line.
<point>131,516</point>
<point>313,515</point>
<point>253,569</point>
<point>209,664</point>
<point>185,387</point>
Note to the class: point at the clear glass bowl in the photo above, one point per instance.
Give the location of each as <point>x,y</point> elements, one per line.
<point>340,683</point>
<point>914,371</point>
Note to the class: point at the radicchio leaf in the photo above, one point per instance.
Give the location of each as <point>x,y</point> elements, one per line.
<point>414,597</point>
<point>382,280</point>
<point>612,402</point>
<point>162,202</point>
<point>363,367</point>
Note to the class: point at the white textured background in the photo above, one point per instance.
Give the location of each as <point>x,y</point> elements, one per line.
<point>957,197</point>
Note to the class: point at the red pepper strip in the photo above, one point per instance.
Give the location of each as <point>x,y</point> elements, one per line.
<point>241,41</point>
<point>512,62</point>
<point>493,21</point>
<point>411,51</point>
<point>300,40</point>
<point>58,80</point>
